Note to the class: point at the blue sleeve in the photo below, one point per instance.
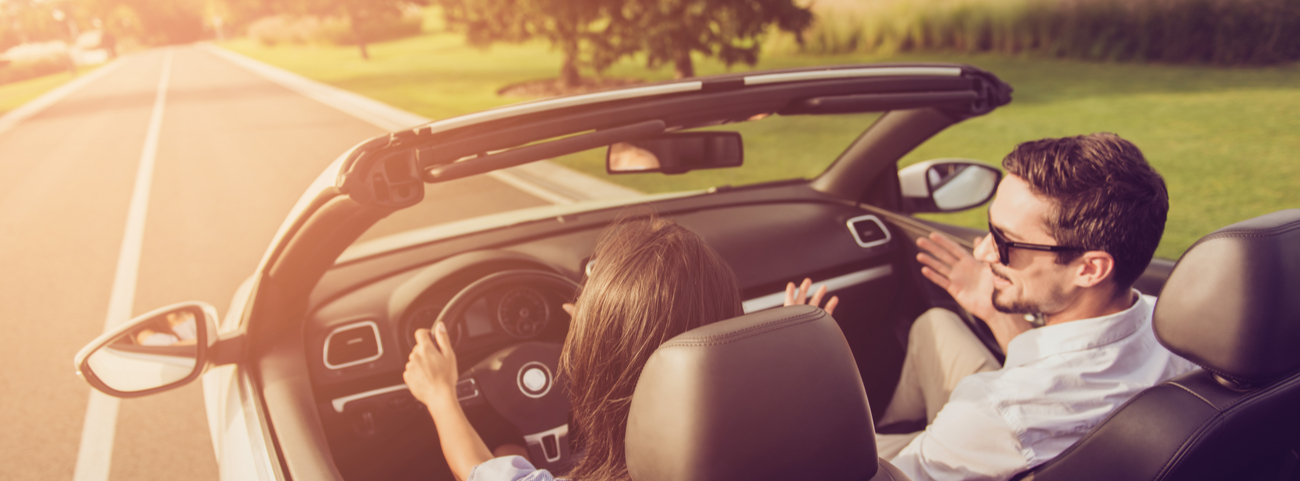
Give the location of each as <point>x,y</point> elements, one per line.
<point>508,468</point>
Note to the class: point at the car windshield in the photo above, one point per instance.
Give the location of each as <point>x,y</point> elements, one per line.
<point>775,148</point>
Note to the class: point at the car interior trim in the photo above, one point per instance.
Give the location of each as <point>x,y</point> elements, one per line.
<point>535,152</point>
<point>852,73</point>
<point>471,389</point>
<point>259,435</point>
<point>342,403</point>
<point>378,343</point>
<point>835,283</point>
<point>858,238</point>
<point>859,103</point>
<point>577,100</point>
<point>560,433</point>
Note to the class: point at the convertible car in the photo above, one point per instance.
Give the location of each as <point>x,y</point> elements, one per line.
<point>303,376</point>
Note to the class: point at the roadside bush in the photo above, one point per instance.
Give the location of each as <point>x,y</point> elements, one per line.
<point>1229,32</point>
<point>33,60</point>
<point>288,29</point>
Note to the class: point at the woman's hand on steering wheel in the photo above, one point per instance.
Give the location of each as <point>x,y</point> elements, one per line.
<point>431,372</point>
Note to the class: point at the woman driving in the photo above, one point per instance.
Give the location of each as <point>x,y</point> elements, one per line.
<point>651,280</point>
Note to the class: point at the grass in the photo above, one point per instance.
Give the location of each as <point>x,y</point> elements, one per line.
<point>1238,32</point>
<point>1226,140</point>
<point>14,95</point>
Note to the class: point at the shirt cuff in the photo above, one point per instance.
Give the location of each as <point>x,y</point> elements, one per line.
<point>508,468</point>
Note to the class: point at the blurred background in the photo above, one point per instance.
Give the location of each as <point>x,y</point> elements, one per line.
<point>1205,87</point>
<point>1208,89</point>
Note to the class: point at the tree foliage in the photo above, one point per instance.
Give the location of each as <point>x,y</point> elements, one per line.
<point>669,31</point>
<point>27,21</point>
<point>597,33</point>
<point>153,22</point>
<point>367,20</point>
<point>567,24</point>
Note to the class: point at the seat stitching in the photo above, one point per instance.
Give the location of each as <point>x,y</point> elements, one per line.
<point>1198,396</point>
<point>744,333</point>
<point>1222,417</point>
<point>1245,233</point>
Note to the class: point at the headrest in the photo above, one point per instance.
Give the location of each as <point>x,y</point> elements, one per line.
<point>1232,303</point>
<point>771,395</point>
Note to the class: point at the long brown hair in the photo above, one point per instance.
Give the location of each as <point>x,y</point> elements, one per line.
<point>651,280</point>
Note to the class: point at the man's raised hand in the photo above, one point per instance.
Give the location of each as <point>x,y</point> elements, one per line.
<point>953,268</point>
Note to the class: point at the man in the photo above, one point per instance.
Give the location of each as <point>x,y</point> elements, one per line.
<point>1076,220</point>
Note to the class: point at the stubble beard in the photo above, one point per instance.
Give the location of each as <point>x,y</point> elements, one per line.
<point>1017,307</point>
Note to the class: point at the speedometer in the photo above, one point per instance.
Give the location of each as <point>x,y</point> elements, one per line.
<point>523,312</point>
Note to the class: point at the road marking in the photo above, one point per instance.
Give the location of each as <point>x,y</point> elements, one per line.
<point>528,187</point>
<point>392,118</point>
<point>96,451</point>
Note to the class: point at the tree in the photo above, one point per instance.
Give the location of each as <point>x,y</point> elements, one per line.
<point>567,24</point>
<point>155,22</point>
<point>367,16</point>
<point>597,33</point>
<point>24,21</point>
<point>669,31</point>
<point>368,20</point>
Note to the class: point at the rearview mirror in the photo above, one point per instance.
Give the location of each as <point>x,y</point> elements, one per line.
<point>947,185</point>
<point>154,352</point>
<point>676,153</point>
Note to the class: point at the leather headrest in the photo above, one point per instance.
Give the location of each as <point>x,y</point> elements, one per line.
<point>1232,303</point>
<point>770,395</point>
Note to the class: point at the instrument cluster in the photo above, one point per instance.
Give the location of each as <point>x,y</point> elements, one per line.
<point>512,313</point>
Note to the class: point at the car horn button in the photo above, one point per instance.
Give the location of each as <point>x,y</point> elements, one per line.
<point>534,379</point>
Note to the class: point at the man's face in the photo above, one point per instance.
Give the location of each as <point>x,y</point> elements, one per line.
<point>1032,281</point>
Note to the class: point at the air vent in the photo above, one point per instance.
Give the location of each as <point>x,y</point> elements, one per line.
<point>353,344</point>
<point>868,231</point>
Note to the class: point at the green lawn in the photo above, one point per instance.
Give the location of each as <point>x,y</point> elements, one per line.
<point>1225,139</point>
<point>14,95</point>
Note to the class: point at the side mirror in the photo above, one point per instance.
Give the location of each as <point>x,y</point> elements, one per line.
<point>676,153</point>
<point>947,185</point>
<point>154,352</point>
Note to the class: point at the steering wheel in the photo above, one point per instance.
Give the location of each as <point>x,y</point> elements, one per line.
<point>519,382</point>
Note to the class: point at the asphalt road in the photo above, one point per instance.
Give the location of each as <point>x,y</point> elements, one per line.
<point>234,153</point>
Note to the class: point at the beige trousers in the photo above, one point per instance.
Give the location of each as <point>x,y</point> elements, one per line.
<point>941,350</point>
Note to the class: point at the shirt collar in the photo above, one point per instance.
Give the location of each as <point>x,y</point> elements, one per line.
<point>1078,335</point>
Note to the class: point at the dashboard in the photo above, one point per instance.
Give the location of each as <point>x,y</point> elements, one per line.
<point>366,311</point>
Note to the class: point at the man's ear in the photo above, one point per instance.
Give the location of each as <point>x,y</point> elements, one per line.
<point>1094,267</point>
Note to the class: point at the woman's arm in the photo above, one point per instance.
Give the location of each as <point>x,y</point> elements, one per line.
<point>431,376</point>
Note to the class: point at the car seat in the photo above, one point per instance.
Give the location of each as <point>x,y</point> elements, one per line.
<point>773,395</point>
<point>1232,306</point>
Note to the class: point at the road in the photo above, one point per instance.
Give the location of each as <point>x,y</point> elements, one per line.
<point>234,152</point>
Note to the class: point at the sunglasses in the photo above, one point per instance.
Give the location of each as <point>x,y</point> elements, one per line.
<point>1004,245</point>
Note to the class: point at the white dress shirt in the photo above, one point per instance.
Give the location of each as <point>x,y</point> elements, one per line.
<point>1058,383</point>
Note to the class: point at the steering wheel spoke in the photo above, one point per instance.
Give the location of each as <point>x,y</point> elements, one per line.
<point>550,447</point>
<point>467,391</point>
<point>521,382</point>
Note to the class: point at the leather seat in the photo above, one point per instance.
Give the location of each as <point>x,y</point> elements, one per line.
<point>1232,306</point>
<point>773,395</point>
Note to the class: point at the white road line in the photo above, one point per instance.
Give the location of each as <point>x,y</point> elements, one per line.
<point>96,451</point>
<point>539,192</point>
<point>392,118</point>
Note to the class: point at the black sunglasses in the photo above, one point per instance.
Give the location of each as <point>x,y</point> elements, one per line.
<point>1004,245</point>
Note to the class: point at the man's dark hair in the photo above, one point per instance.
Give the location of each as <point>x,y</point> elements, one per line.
<point>1105,197</point>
